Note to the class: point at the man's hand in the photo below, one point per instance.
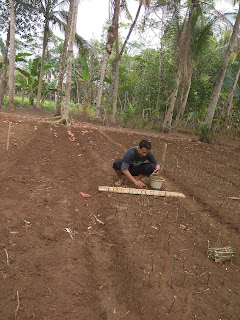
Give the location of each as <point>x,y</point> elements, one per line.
<point>139,184</point>
<point>157,170</point>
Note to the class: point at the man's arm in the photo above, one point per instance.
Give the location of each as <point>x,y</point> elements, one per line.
<point>153,160</point>
<point>128,175</point>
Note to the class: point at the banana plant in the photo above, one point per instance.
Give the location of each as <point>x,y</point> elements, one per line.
<point>31,81</point>
<point>85,77</point>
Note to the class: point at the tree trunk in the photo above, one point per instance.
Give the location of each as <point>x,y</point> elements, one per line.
<point>218,86</point>
<point>185,98</point>
<point>160,67</point>
<point>65,115</point>
<point>116,66</point>
<point>160,75</point>
<point>84,100</point>
<point>100,87</point>
<point>228,104</point>
<point>3,73</point>
<point>168,117</point>
<point>184,58</point>
<point>12,56</point>
<point>45,42</point>
<point>112,34</point>
<point>115,72</point>
<point>62,63</point>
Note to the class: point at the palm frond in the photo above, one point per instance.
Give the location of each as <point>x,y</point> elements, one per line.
<point>81,43</point>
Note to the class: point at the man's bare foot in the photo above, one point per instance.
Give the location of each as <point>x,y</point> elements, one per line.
<point>118,183</point>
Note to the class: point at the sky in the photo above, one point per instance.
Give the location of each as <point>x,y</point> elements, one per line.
<point>92,15</point>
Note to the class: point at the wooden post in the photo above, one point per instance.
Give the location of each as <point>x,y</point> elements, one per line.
<point>163,157</point>
<point>8,137</point>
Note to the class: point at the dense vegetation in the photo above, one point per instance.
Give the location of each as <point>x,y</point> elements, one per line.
<point>189,79</point>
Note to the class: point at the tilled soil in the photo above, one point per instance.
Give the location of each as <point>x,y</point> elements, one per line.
<point>113,256</point>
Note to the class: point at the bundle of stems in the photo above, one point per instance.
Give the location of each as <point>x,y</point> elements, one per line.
<point>222,254</point>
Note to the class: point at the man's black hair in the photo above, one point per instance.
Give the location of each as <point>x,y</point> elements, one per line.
<point>145,144</point>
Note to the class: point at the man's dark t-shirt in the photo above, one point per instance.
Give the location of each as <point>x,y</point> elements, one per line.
<point>131,158</point>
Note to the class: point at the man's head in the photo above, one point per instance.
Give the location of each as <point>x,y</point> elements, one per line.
<point>143,148</point>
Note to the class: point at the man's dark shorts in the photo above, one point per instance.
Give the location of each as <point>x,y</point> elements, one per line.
<point>145,168</point>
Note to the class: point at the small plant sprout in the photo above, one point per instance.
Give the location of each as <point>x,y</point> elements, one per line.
<point>207,253</point>
<point>149,281</point>
<point>183,262</point>
<point>143,228</point>
<point>144,242</point>
<point>184,279</point>
<point>169,243</point>
<point>224,276</point>
<point>186,297</point>
<point>174,299</point>
<point>126,214</point>
<point>171,280</point>
<point>209,275</point>
<point>174,262</point>
<point>229,296</point>
<point>160,280</point>
<point>152,261</point>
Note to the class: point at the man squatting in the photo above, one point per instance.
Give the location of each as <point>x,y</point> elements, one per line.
<point>133,165</point>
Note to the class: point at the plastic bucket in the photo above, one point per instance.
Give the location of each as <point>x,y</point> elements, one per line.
<point>156,182</point>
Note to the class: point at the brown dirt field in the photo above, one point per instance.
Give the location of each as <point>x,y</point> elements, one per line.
<point>147,261</point>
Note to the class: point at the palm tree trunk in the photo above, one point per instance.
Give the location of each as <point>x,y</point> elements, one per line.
<point>100,87</point>
<point>218,86</point>
<point>184,58</point>
<point>12,56</point>
<point>62,63</point>
<point>185,98</point>
<point>116,66</point>
<point>160,75</point>
<point>3,73</point>
<point>65,115</point>
<point>112,34</point>
<point>168,117</point>
<point>115,72</point>
<point>45,42</point>
<point>228,104</point>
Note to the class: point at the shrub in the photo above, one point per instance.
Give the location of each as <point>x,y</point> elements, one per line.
<point>205,132</point>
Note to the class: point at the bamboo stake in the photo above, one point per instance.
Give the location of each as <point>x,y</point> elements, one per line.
<point>8,137</point>
<point>141,191</point>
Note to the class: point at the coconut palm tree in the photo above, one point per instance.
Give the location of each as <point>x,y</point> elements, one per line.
<point>12,56</point>
<point>50,10</point>
<point>112,35</point>
<point>184,63</point>
<point>201,34</point>
<point>117,58</point>
<point>219,82</point>
<point>63,61</point>
<point>25,23</point>
<point>3,73</point>
<point>72,32</point>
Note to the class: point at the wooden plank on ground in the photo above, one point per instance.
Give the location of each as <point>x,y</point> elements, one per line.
<point>141,191</point>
